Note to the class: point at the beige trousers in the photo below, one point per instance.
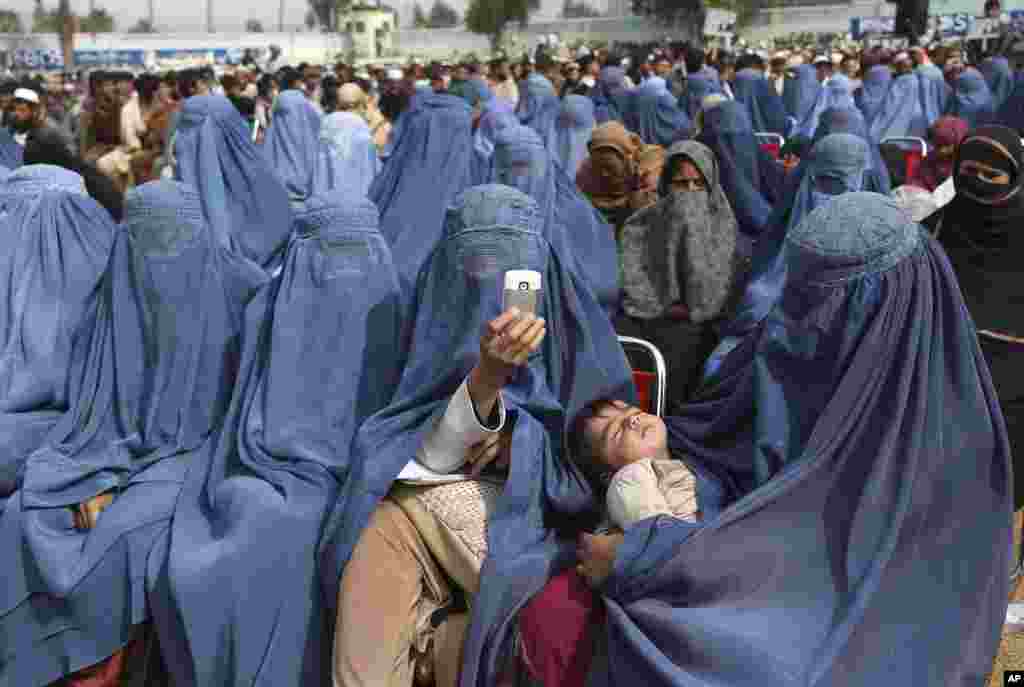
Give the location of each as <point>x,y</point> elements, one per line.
<point>401,571</point>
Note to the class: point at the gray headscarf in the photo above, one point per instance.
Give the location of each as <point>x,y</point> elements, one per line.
<point>683,248</point>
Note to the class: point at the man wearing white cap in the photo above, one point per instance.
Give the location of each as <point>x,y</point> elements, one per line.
<point>29,115</point>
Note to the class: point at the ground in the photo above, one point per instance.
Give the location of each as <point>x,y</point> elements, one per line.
<point>1011,649</point>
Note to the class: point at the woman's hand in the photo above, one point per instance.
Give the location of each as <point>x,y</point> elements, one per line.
<point>596,553</point>
<point>495,448</point>
<point>88,512</point>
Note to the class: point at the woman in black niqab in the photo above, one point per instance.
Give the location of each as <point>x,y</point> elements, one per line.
<point>982,233</point>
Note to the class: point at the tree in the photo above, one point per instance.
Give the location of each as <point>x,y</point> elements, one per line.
<point>254,26</point>
<point>10,22</point>
<point>44,20</point>
<point>419,17</point>
<point>492,17</point>
<point>578,10</point>
<point>442,16</point>
<point>683,17</point>
<point>311,19</point>
<point>142,26</point>
<point>98,21</point>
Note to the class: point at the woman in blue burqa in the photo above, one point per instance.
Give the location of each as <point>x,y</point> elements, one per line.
<point>458,484</point>
<point>841,540</point>
<point>1011,112</point>
<point>655,116</point>
<point>999,77</point>
<point>851,121</point>
<point>538,105</point>
<point>971,99</point>
<point>900,113</point>
<point>837,93</point>
<point>321,353</point>
<point>873,87</point>
<point>569,222</point>
<point>293,145</point>
<point>764,106</point>
<point>57,244</point>
<point>573,128</point>
<point>612,99</point>
<point>11,152</point>
<point>490,122</point>
<point>243,201</point>
<point>429,165</point>
<point>152,368</point>
<point>752,180</point>
<point>837,164</point>
<point>347,161</point>
<point>800,91</point>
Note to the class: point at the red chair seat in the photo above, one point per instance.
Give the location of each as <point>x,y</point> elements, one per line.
<point>644,382</point>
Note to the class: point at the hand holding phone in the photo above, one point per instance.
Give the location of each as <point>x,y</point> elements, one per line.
<point>522,290</point>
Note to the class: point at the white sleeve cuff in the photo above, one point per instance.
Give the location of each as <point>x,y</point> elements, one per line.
<point>444,450</point>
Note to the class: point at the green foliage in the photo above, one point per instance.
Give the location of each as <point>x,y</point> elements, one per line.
<point>10,22</point>
<point>324,13</point>
<point>98,21</point>
<point>442,16</point>
<point>492,17</point>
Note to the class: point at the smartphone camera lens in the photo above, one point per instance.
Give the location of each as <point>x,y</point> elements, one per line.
<point>524,286</point>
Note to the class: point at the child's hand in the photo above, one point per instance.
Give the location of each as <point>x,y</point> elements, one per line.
<point>596,553</point>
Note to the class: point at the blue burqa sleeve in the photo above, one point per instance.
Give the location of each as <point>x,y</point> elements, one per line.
<point>656,118</point>
<point>900,112</point>
<point>152,369</point>
<point>800,91</point>
<point>321,353</point>
<point>491,229</point>
<point>846,546</point>
<point>971,100</point>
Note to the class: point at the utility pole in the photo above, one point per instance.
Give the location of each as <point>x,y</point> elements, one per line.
<point>152,15</point>
<point>209,16</point>
<point>280,17</point>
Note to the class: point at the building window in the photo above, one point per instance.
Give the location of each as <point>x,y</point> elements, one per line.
<point>348,27</point>
<point>384,27</point>
<point>360,27</point>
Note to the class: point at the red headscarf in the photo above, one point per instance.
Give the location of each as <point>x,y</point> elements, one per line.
<point>933,170</point>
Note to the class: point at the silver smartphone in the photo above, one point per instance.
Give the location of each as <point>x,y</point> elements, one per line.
<point>522,290</point>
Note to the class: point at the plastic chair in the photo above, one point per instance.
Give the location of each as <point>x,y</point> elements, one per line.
<point>770,143</point>
<point>909,150</point>
<point>650,374</point>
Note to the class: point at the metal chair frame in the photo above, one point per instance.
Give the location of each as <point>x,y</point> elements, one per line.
<point>660,369</point>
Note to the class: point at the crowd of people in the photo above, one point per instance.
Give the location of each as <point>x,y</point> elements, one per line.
<point>266,418</point>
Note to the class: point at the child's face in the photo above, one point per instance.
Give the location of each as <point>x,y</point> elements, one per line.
<point>620,434</point>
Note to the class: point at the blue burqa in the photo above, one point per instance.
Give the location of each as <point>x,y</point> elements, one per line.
<point>836,164</point>
<point>57,242</point>
<point>871,94</point>
<point>699,85</point>
<point>489,230</point>
<point>321,354</point>
<point>538,105</point>
<point>244,202</point>
<point>837,94</point>
<point>569,222</point>
<point>1011,113</point>
<point>851,121</point>
<point>800,91</point>
<point>573,128</point>
<point>900,112</point>
<point>764,106</point>
<point>487,128</point>
<point>843,545</point>
<point>429,166</point>
<point>656,118</point>
<point>152,370</point>
<point>971,99</point>
<point>347,160</point>
<point>12,153</point>
<point>612,99</point>
<point>999,78</point>
<point>293,144</point>
<point>934,91</point>
<point>752,180</point>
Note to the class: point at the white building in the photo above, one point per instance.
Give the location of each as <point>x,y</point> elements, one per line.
<point>372,30</point>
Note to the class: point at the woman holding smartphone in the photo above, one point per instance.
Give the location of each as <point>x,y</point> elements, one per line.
<point>454,483</point>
